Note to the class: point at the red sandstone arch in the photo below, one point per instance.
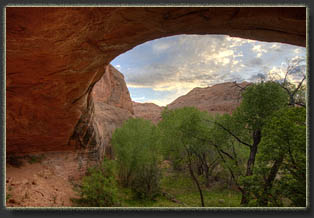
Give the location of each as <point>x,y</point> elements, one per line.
<point>54,56</point>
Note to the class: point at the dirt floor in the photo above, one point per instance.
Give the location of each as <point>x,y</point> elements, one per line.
<point>43,180</point>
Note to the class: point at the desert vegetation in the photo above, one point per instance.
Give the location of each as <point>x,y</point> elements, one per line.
<point>255,156</point>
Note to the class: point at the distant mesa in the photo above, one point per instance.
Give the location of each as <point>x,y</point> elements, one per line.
<point>217,99</point>
<point>148,111</point>
<point>220,98</point>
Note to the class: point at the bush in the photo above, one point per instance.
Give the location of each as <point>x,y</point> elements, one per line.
<point>137,155</point>
<point>146,181</point>
<point>99,188</point>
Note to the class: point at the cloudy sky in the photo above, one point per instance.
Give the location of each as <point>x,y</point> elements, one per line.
<point>161,70</point>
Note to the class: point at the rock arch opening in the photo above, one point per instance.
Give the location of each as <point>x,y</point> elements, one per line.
<point>161,70</point>
<point>55,56</point>
<point>187,70</point>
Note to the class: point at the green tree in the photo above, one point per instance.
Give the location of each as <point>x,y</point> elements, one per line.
<point>182,137</point>
<point>233,155</point>
<point>281,162</point>
<point>98,188</point>
<point>293,81</point>
<point>136,150</point>
<point>259,102</point>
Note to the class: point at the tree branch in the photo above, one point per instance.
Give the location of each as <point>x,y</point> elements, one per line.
<point>300,104</point>
<point>228,131</point>
<point>299,86</point>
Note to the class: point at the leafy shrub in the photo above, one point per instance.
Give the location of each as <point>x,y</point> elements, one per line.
<point>146,182</point>
<point>99,188</point>
<point>137,155</point>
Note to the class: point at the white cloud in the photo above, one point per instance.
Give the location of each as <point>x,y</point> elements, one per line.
<point>176,92</point>
<point>259,50</point>
<point>182,62</point>
<point>297,50</point>
<point>139,99</point>
<point>160,47</point>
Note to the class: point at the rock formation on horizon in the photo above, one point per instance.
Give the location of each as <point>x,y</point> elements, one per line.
<point>220,98</point>
<point>217,99</point>
<point>148,111</point>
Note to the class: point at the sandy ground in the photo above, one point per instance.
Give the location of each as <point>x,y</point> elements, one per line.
<point>43,182</point>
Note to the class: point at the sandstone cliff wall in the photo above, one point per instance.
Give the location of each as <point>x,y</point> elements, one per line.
<point>55,55</point>
<point>218,99</point>
<point>148,111</point>
<point>110,105</point>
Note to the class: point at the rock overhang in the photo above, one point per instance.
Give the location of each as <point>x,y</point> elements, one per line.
<point>55,55</point>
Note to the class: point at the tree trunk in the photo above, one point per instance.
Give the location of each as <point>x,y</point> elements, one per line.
<point>263,201</point>
<point>253,150</point>
<point>250,164</point>
<point>244,199</point>
<point>207,176</point>
<point>199,169</point>
<point>196,182</point>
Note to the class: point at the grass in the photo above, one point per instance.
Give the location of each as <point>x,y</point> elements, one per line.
<point>178,190</point>
<point>130,201</point>
<point>182,188</point>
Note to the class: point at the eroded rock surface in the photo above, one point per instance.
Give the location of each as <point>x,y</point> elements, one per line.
<point>50,181</point>
<point>55,55</point>
<point>220,98</point>
<point>111,89</point>
<point>109,106</point>
<point>148,111</point>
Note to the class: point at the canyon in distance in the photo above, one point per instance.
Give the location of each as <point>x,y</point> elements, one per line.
<point>49,182</point>
<point>64,100</point>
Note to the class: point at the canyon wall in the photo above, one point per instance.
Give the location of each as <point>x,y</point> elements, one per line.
<point>113,105</point>
<point>148,111</point>
<point>111,89</point>
<point>109,106</point>
<point>55,56</point>
<point>217,99</point>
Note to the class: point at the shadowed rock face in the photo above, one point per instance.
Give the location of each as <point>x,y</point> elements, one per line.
<point>111,89</point>
<point>54,57</point>
<point>109,106</point>
<point>113,105</point>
